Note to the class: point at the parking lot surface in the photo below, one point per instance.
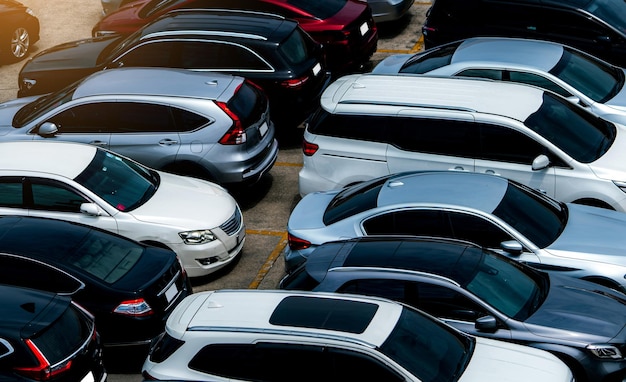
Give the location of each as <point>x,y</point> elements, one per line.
<point>266,206</point>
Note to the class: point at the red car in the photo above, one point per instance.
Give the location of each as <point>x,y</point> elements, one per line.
<point>345,27</point>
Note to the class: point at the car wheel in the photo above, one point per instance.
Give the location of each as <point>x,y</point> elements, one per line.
<point>18,44</point>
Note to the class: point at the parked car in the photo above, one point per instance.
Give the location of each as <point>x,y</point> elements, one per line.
<point>491,211</point>
<point>47,337</point>
<point>329,337</point>
<point>129,287</point>
<point>272,51</point>
<point>19,30</point>
<point>210,125</point>
<point>590,82</point>
<point>198,220</point>
<point>594,26</point>
<point>346,28</point>
<point>109,6</point>
<point>481,293</point>
<point>372,125</point>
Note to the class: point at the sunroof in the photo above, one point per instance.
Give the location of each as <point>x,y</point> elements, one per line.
<point>324,313</point>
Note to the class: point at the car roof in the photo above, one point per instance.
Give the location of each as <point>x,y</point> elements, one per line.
<point>360,91</point>
<point>222,22</point>
<point>478,191</point>
<point>357,318</point>
<point>65,159</point>
<point>157,81</point>
<point>542,55</point>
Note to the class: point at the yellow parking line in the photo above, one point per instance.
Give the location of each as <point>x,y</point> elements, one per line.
<point>271,259</point>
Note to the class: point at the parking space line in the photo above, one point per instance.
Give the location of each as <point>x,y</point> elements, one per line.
<point>271,259</point>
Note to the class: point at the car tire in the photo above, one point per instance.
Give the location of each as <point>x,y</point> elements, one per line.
<point>16,44</point>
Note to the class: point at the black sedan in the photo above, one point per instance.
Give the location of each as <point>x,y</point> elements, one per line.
<point>19,30</point>
<point>482,293</point>
<point>129,287</point>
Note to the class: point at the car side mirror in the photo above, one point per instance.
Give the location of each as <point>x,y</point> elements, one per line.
<point>91,209</point>
<point>511,246</point>
<point>541,162</point>
<point>486,324</point>
<point>48,129</point>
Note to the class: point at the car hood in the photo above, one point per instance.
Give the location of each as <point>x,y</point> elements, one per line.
<point>80,54</point>
<point>507,362</point>
<point>610,166</point>
<point>391,64</point>
<point>187,203</point>
<point>598,312</point>
<point>592,233</point>
<point>124,20</point>
<point>8,110</point>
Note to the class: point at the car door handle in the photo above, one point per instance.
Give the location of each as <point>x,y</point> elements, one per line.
<point>99,143</point>
<point>168,142</point>
<point>458,168</point>
<point>491,172</point>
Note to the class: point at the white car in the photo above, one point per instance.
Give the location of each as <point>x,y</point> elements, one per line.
<point>261,335</point>
<point>371,125</point>
<point>197,219</point>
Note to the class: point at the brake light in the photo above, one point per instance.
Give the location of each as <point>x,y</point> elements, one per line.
<point>236,135</point>
<point>43,371</point>
<point>309,148</point>
<point>295,83</point>
<point>137,308</point>
<point>296,243</point>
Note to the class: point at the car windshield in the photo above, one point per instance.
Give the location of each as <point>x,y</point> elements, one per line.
<point>121,182</point>
<point>538,217</point>
<point>592,77</point>
<point>319,9</point>
<point>434,58</point>
<point>508,287</point>
<point>610,11</point>
<point>353,200</point>
<point>297,48</point>
<point>42,105</point>
<point>118,46</point>
<point>427,348</point>
<point>579,133</point>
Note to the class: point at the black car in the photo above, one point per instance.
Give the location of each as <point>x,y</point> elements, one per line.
<point>129,287</point>
<point>47,337</point>
<point>19,30</point>
<point>270,50</point>
<point>481,293</point>
<point>595,26</point>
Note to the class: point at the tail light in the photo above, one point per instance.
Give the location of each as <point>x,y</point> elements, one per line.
<point>43,371</point>
<point>137,308</point>
<point>295,83</point>
<point>296,243</point>
<point>236,135</point>
<point>309,148</point>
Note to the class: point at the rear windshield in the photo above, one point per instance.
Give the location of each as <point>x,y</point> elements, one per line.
<point>353,200</point>
<point>297,48</point>
<point>299,280</point>
<point>64,336</point>
<point>433,59</point>
<point>320,9</point>
<point>249,103</point>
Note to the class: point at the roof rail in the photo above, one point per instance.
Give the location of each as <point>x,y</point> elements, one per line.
<point>407,104</point>
<point>222,10</point>
<point>203,33</point>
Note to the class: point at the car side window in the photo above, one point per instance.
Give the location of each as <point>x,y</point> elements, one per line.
<point>443,302</point>
<point>51,195</point>
<point>503,144</point>
<point>219,56</point>
<point>31,274</point>
<point>535,80</point>
<point>141,117</point>
<point>409,222</point>
<point>476,229</point>
<point>435,136</point>
<point>151,54</point>
<point>397,290</point>
<point>494,74</point>
<point>11,194</point>
<point>87,118</point>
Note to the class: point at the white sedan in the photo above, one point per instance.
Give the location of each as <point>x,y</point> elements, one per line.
<point>197,219</point>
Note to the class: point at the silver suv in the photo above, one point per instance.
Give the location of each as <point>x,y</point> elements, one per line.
<point>208,125</point>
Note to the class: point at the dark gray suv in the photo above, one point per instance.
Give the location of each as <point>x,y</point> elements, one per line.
<point>208,125</point>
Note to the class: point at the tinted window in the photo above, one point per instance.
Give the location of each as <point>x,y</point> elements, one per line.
<point>533,214</point>
<point>54,196</point>
<point>185,121</point>
<point>218,55</point>
<point>137,117</point>
<point>536,80</point>
<point>397,290</point>
<point>610,11</point>
<point>443,302</point>
<point>89,118</point>
<point>435,58</point>
<point>362,127</point>
<point>151,54</point>
<point>27,273</point>
<point>494,74</point>
<point>299,280</point>
<point>409,222</point>
<point>436,136</point>
<point>476,230</point>
<point>503,144</point>
<point>66,335</point>
<point>297,48</point>
<point>11,192</point>
<point>353,200</point>
<point>580,134</point>
<point>320,9</point>
<point>249,103</point>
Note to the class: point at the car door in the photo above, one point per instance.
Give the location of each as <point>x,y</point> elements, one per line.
<point>509,153</point>
<point>419,140</point>
<point>145,131</point>
<point>83,123</point>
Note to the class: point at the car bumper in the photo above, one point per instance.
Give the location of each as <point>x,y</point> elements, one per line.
<point>385,12</point>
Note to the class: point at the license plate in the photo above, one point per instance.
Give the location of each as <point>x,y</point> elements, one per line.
<point>317,68</point>
<point>171,292</point>
<point>263,129</point>
<point>88,378</point>
<point>364,28</point>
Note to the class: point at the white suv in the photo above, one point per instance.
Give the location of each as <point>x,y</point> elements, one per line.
<point>372,125</point>
<point>272,336</point>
